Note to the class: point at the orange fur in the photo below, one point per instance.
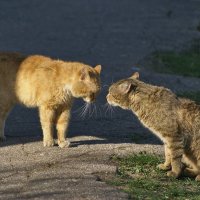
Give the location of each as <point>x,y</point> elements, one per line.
<point>50,85</point>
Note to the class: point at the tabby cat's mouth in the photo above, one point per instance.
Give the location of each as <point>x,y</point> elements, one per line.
<point>112,103</point>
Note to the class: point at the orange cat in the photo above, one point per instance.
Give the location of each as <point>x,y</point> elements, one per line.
<point>50,85</point>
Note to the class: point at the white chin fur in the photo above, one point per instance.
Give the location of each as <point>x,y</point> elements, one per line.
<point>87,100</point>
<point>67,89</point>
<point>112,103</point>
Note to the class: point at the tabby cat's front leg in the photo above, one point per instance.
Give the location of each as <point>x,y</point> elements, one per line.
<point>47,116</point>
<point>63,117</point>
<point>167,164</point>
<point>176,146</point>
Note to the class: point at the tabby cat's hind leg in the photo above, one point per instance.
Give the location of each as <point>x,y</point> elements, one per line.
<point>188,172</point>
<point>197,177</point>
<point>191,169</point>
<point>198,167</point>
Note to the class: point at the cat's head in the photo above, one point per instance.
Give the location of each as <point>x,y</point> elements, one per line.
<point>121,92</point>
<point>86,84</point>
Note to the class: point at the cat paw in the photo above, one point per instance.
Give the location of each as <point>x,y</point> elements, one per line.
<point>163,167</point>
<point>197,178</point>
<point>190,172</point>
<point>48,143</point>
<point>2,138</point>
<point>172,174</point>
<point>63,144</point>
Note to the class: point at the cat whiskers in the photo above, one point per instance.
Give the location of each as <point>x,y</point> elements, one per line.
<point>112,80</point>
<point>97,110</point>
<point>80,109</point>
<point>93,110</point>
<point>89,109</point>
<point>105,86</point>
<point>108,109</point>
<point>84,110</point>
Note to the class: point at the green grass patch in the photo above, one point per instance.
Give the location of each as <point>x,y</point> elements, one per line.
<point>185,63</point>
<point>140,178</point>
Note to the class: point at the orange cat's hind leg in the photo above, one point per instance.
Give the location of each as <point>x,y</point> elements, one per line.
<point>2,125</point>
<point>47,116</point>
<point>4,110</point>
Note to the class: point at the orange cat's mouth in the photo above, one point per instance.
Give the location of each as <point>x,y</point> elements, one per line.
<point>88,100</point>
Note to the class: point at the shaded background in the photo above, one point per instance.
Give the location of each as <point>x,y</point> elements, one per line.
<point>116,34</point>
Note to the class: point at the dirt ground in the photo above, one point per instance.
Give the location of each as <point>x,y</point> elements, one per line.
<point>116,34</point>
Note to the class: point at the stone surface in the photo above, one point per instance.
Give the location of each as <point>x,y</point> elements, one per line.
<point>116,34</point>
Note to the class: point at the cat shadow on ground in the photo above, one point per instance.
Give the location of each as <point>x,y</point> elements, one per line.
<point>101,126</point>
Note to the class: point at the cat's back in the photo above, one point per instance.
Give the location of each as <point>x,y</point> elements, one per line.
<point>189,106</point>
<point>34,62</point>
<point>38,80</point>
<point>189,113</point>
<point>34,68</point>
<point>9,66</point>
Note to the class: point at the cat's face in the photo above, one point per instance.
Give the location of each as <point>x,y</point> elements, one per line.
<point>119,92</point>
<point>87,84</point>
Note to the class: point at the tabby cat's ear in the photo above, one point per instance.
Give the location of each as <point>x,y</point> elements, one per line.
<point>98,69</point>
<point>136,75</point>
<point>125,87</point>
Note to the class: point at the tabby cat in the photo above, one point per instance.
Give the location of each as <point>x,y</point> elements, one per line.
<point>176,121</point>
<point>50,85</point>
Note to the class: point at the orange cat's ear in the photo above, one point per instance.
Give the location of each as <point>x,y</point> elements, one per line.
<point>98,69</point>
<point>125,87</point>
<point>136,75</point>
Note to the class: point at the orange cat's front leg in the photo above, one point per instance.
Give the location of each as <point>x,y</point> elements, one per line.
<point>61,125</point>
<point>47,116</point>
<point>167,164</point>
